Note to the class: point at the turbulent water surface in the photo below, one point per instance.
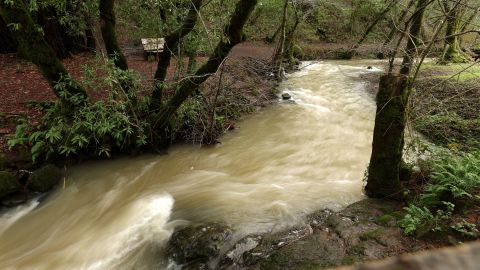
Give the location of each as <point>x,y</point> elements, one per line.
<point>278,166</point>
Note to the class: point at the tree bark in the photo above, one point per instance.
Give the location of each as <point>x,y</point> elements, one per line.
<point>452,52</point>
<point>9,43</point>
<point>233,36</point>
<point>171,43</point>
<point>394,26</point>
<point>279,54</point>
<point>388,135</point>
<point>52,32</point>
<point>32,45</point>
<point>378,18</point>
<point>107,21</point>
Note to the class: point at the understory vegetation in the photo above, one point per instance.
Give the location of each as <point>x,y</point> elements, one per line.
<point>445,191</point>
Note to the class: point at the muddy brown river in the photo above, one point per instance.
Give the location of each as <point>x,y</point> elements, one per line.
<point>279,165</point>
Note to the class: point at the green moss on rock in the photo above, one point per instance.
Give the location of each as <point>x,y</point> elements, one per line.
<point>8,183</point>
<point>44,178</point>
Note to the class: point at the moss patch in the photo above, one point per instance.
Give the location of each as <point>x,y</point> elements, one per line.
<point>44,179</point>
<point>8,183</point>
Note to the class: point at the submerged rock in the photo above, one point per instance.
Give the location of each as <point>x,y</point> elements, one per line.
<point>8,184</point>
<point>194,246</point>
<point>44,179</point>
<point>286,96</point>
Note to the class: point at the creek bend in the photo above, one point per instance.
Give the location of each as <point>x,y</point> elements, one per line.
<point>279,165</point>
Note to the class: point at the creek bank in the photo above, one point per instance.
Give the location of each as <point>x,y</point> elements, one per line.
<point>366,230</point>
<point>246,87</point>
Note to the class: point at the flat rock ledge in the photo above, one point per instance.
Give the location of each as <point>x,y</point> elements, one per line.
<point>366,230</point>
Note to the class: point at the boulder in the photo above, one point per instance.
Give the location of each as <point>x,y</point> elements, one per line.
<point>8,184</point>
<point>198,244</point>
<point>44,179</point>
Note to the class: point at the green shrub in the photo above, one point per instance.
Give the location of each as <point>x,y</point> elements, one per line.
<point>420,220</point>
<point>454,179</point>
<point>96,128</point>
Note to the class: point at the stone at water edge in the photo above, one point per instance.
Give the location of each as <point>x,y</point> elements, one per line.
<point>286,96</point>
<point>196,245</point>
<point>44,179</point>
<point>8,184</point>
<point>369,67</point>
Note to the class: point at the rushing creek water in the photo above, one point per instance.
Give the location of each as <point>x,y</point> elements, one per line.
<point>279,165</point>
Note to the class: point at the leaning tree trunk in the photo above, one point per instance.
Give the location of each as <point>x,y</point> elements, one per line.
<point>388,135</point>
<point>378,18</point>
<point>396,26</point>
<point>233,36</point>
<point>171,43</point>
<point>452,52</point>
<point>107,21</point>
<point>32,45</point>
<point>8,43</point>
<point>52,32</point>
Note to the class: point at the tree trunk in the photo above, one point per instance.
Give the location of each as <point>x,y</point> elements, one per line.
<point>388,135</point>
<point>395,26</point>
<point>387,147</point>
<point>107,22</point>
<point>33,46</point>
<point>90,38</point>
<point>468,22</point>
<point>52,32</point>
<point>378,18</point>
<point>279,54</point>
<point>452,52</point>
<point>171,43</point>
<point>9,43</point>
<point>233,36</point>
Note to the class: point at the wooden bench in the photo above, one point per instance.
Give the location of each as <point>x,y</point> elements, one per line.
<point>152,46</point>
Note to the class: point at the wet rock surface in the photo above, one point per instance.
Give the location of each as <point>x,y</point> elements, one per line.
<point>8,183</point>
<point>286,96</point>
<point>366,230</point>
<point>44,179</point>
<point>195,246</point>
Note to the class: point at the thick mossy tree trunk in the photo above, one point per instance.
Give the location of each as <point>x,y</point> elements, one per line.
<point>452,52</point>
<point>8,43</point>
<point>32,46</point>
<point>387,148</point>
<point>233,36</point>
<point>171,43</point>
<point>388,135</point>
<point>107,23</point>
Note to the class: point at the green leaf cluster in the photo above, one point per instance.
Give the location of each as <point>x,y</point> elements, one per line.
<point>454,181</point>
